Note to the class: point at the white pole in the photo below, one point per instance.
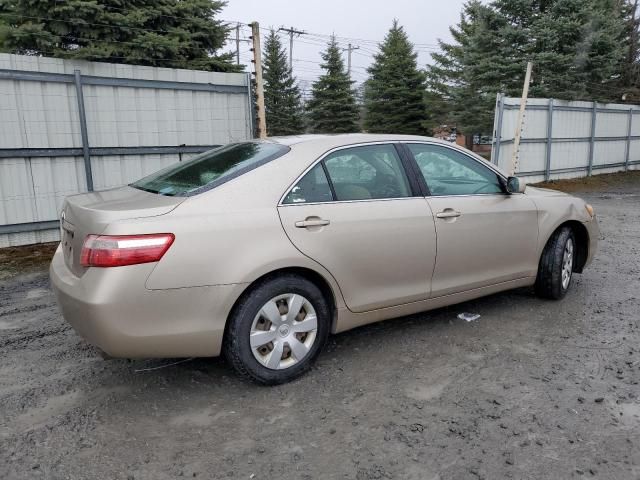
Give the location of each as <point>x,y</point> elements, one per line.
<point>518,132</point>
<point>257,59</point>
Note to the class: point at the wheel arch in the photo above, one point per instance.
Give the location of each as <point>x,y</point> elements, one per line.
<point>313,276</point>
<point>581,234</point>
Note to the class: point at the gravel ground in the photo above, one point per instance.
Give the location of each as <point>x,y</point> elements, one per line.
<point>533,389</point>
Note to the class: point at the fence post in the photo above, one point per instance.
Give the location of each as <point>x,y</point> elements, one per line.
<point>83,130</point>
<point>627,150</point>
<point>594,113</point>
<point>547,160</point>
<point>497,138</point>
<point>252,110</point>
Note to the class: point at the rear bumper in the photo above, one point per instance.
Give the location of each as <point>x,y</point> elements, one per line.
<point>112,309</point>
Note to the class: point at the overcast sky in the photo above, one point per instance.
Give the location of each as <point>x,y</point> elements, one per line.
<point>360,22</point>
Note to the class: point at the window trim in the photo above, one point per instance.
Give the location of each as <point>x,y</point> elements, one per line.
<point>482,163</point>
<point>334,195</point>
<point>321,158</point>
<point>421,185</point>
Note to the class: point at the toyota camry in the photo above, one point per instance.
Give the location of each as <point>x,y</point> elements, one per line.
<point>261,249</point>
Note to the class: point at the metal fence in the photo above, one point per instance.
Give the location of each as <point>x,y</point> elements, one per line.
<point>563,139</point>
<point>74,126</point>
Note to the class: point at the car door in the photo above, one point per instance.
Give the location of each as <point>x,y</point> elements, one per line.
<point>358,214</point>
<point>485,236</point>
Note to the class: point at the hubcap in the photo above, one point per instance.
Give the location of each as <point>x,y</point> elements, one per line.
<point>283,331</point>
<point>567,264</point>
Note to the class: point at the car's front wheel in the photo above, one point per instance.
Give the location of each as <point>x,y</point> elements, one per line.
<point>277,329</point>
<point>556,265</point>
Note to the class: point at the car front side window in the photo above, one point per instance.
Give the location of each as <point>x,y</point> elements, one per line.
<point>449,172</point>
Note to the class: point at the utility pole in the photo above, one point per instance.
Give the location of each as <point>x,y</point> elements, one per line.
<point>519,124</point>
<point>291,31</point>
<point>238,40</point>
<point>257,61</point>
<point>349,49</point>
<point>238,44</point>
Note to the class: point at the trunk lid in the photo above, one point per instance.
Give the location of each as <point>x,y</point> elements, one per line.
<point>91,213</point>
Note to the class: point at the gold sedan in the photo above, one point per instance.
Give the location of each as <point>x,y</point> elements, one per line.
<point>259,250</point>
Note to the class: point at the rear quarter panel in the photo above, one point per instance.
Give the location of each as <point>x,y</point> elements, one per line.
<point>229,235</point>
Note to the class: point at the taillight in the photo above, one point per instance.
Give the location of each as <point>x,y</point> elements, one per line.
<point>121,250</point>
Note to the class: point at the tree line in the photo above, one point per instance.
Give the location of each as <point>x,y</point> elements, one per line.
<point>393,94</point>
<point>581,49</point>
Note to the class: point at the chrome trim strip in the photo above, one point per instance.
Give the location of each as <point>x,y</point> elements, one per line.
<point>349,201</point>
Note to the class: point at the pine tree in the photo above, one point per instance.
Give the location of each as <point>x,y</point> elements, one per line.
<point>163,33</point>
<point>332,107</point>
<point>576,46</point>
<point>281,93</point>
<point>630,78</point>
<point>394,90</point>
<point>467,74</point>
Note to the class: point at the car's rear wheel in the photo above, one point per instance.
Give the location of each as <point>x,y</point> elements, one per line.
<point>556,265</point>
<point>277,330</point>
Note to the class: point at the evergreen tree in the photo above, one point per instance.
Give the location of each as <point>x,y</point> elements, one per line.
<point>462,92</point>
<point>332,107</point>
<point>394,90</point>
<point>163,33</point>
<point>576,46</point>
<point>629,81</point>
<point>281,93</point>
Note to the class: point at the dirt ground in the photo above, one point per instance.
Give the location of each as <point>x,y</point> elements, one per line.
<point>533,389</point>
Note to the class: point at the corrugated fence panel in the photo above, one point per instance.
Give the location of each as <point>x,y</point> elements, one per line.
<point>117,170</point>
<point>570,124</point>
<point>606,153</point>
<point>569,155</point>
<point>17,191</point>
<point>612,124</point>
<point>182,111</point>
<point>54,179</point>
<point>529,153</point>
<point>574,146</point>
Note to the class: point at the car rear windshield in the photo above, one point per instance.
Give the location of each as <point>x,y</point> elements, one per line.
<point>210,169</point>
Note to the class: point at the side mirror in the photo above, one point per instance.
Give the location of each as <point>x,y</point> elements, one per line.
<point>515,185</point>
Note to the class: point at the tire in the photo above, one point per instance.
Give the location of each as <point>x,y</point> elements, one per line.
<point>262,318</point>
<point>550,282</point>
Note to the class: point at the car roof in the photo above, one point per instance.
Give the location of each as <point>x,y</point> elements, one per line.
<point>343,139</point>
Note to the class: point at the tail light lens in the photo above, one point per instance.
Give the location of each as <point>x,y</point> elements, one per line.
<point>121,250</point>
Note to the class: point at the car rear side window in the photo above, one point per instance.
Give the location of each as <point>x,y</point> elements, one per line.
<point>211,168</point>
<point>313,187</point>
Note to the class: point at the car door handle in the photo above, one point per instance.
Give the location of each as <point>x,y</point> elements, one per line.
<point>448,213</point>
<point>312,222</point>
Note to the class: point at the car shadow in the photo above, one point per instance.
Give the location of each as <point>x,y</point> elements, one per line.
<point>337,350</point>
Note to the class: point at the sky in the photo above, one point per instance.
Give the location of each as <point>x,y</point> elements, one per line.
<point>359,22</point>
